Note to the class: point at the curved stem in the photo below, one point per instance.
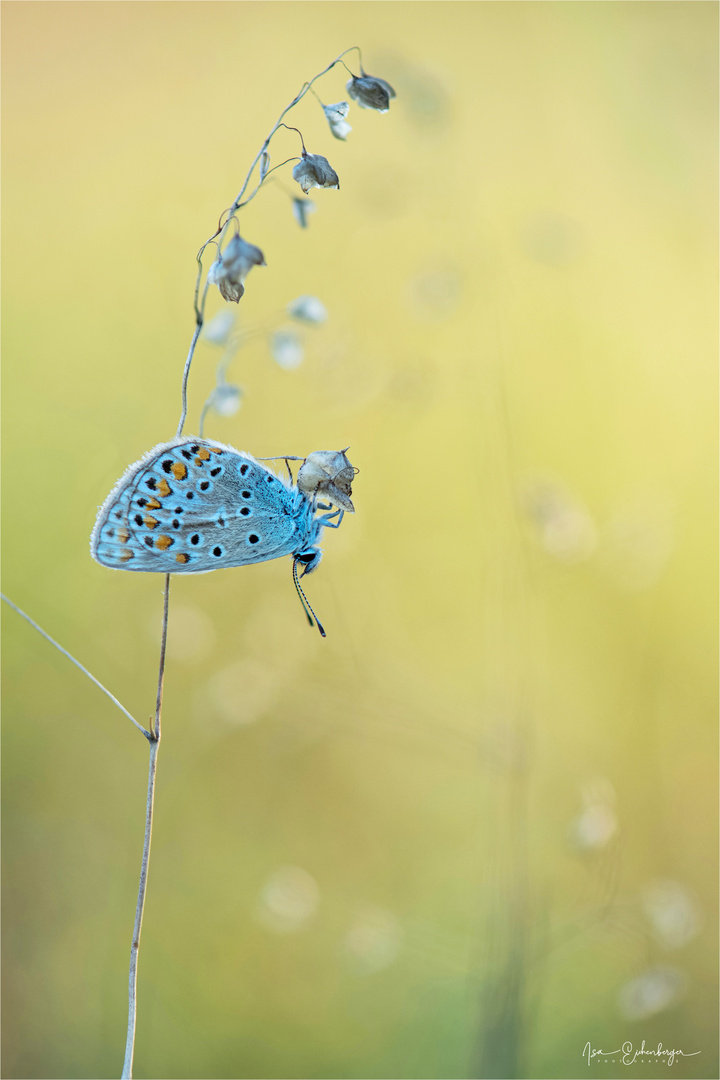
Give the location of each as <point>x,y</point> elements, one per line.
<point>357,49</point>
<point>221,229</point>
<point>288,127</point>
<point>317,96</point>
<point>254,192</point>
<point>191,352</point>
<point>142,888</point>
<point>298,97</point>
<point>91,677</point>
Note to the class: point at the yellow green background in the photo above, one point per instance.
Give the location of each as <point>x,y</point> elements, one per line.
<point>520,270</point>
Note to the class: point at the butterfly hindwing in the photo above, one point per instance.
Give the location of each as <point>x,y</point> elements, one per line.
<point>194,505</point>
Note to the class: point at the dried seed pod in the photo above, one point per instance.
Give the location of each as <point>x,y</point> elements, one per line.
<point>307,309</point>
<point>336,119</point>
<point>229,271</point>
<point>287,349</point>
<point>301,209</point>
<point>218,330</point>
<point>314,170</point>
<point>328,474</point>
<point>370,92</point>
<point>226,399</point>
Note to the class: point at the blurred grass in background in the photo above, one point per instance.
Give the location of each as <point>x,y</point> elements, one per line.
<point>475,828</point>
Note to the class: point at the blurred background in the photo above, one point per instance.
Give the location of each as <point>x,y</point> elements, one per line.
<point>474,829</point>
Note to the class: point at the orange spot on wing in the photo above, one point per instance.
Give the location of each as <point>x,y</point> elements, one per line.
<point>214,450</point>
<point>179,470</point>
<point>123,536</point>
<point>182,557</point>
<point>151,522</point>
<point>204,454</point>
<point>164,542</point>
<point>126,555</point>
<point>164,488</point>
<point>153,504</point>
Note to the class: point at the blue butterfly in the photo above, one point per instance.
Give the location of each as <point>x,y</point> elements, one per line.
<point>193,505</point>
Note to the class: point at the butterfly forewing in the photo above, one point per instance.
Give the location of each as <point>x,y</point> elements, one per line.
<point>195,505</point>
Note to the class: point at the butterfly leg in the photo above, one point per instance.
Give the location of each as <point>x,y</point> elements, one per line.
<point>327,522</point>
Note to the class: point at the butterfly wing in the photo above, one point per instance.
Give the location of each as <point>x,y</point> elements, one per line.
<point>193,505</point>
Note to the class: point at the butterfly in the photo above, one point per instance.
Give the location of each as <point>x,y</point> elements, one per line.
<point>193,505</point>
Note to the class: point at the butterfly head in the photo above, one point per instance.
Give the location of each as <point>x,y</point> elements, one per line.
<point>309,560</point>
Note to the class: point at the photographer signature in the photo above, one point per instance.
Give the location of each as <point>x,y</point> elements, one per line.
<point>628,1056</point>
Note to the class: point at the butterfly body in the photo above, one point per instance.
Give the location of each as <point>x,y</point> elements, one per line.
<point>194,505</point>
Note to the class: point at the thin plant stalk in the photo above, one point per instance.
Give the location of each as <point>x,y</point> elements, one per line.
<point>142,888</point>
<point>223,226</point>
<point>154,738</point>
<point>153,735</point>
<point>91,677</point>
<point>186,372</point>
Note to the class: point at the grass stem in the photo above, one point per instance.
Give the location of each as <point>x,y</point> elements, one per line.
<point>144,867</point>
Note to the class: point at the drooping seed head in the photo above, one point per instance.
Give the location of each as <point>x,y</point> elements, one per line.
<point>231,268</point>
<point>328,474</point>
<point>314,170</point>
<point>336,119</point>
<point>370,92</point>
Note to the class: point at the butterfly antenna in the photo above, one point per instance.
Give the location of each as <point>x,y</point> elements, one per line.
<point>311,616</point>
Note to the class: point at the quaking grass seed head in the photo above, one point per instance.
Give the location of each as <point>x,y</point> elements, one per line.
<point>328,474</point>
<point>287,348</point>
<point>226,399</point>
<point>370,92</point>
<point>302,208</point>
<point>307,309</point>
<point>314,170</point>
<point>336,114</point>
<point>231,268</point>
